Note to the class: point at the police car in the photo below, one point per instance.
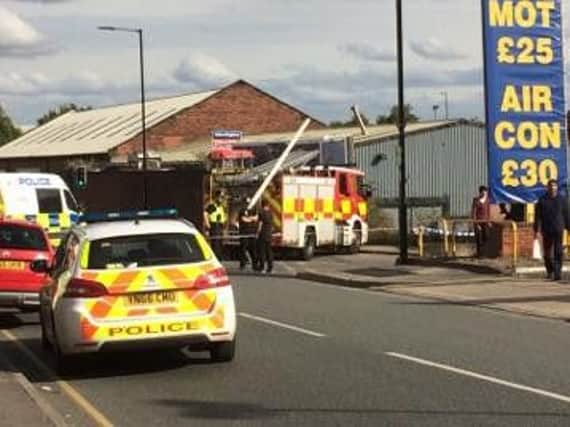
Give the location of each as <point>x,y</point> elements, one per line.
<point>135,281</point>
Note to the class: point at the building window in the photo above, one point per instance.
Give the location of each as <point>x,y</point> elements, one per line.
<point>49,201</point>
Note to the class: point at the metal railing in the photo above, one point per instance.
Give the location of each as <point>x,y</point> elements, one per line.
<point>450,235</point>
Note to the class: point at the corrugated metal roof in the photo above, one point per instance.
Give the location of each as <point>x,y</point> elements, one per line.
<point>96,131</point>
<point>197,149</point>
<point>373,133</point>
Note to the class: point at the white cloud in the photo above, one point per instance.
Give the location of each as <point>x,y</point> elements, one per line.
<point>368,52</point>
<point>202,71</point>
<point>82,83</point>
<point>18,38</point>
<point>433,48</point>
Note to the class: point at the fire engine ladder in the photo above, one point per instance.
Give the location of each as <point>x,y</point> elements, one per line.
<point>294,160</point>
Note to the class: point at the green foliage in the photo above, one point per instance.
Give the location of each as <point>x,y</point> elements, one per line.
<point>350,123</point>
<point>383,119</point>
<point>62,109</point>
<point>393,116</point>
<point>8,131</point>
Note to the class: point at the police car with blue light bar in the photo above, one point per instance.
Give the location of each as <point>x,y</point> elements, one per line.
<point>136,280</point>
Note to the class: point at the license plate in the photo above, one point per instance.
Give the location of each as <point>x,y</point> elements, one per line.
<point>153,298</point>
<point>12,265</point>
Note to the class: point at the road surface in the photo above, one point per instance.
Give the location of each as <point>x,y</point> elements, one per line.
<point>320,355</point>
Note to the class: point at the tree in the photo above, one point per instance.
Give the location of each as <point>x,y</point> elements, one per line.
<point>393,117</point>
<point>62,109</point>
<point>8,131</point>
<point>350,123</point>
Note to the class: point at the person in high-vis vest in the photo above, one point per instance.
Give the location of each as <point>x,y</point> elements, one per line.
<point>215,218</point>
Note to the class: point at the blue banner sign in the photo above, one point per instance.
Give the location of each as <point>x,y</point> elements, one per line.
<point>524,91</point>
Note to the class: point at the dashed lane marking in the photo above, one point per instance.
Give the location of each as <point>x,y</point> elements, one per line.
<point>488,378</point>
<point>282,325</point>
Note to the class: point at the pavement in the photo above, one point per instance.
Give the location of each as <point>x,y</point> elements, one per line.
<point>22,405</point>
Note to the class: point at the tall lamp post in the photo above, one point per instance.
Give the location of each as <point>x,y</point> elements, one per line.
<point>402,208</point>
<point>138,31</point>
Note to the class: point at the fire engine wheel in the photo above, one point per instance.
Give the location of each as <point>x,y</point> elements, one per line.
<point>308,251</point>
<point>357,242</point>
<point>223,351</point>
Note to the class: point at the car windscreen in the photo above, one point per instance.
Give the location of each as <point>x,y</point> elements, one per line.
<point>144,251</point>
<point>25,238</point>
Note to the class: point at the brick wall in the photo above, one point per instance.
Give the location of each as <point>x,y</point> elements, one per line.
<point>239,106</point>
<point>525,241</point>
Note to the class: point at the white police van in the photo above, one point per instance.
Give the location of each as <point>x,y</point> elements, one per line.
<point>39,197</point>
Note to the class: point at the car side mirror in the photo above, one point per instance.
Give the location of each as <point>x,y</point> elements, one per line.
<point>40,266</point>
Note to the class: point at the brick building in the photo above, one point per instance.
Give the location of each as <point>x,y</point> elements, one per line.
<point>95,137</point>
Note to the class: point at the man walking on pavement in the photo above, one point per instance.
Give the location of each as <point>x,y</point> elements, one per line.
<point>481,211</point>
<point>215,219</point>
<point>248,233</point>
<point>551,219</point>
<point>264,238</point>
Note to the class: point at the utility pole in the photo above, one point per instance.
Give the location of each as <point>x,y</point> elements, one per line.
<point>435,108</point>
<point>445,104</point>
<point>402,208</point>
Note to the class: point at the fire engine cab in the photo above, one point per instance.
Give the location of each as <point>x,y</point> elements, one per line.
<point>319,207</point>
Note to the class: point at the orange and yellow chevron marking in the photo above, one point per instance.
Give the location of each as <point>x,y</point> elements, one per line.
<point>119,283</point>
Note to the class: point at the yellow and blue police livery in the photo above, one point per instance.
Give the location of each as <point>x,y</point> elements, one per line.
<point>137,280</point>
<point>41,198</point>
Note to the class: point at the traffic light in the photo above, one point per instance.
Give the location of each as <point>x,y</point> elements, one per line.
<point>81,177</point>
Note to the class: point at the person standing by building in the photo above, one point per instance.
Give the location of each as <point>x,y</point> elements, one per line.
<point>264,238</point>
<point>481,211</point>
<point>551,219</point>
<point>247,232</point>
<point>215,219</point>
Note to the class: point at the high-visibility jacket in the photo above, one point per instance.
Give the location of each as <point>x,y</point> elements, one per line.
<point>216,214</point>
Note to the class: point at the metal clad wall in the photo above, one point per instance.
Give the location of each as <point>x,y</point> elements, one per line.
<point>444,162</point>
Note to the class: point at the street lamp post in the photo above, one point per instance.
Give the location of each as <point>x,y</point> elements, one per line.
<point>402,208</point>
<point>138,31</point>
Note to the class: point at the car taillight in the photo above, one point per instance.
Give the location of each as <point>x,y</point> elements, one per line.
<point>212,279</point>
<point>81,288</point>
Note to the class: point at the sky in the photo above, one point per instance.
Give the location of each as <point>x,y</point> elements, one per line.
<point>320,55</point>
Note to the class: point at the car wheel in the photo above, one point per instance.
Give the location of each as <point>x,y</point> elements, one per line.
<point>46,345</point>
<point>223,351</point>
<point>64,364</point>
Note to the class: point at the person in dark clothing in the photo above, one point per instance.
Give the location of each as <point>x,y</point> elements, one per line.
<point>481,211</point>
<point>551,219</point>
<point>264,238</point>
<point>248,232</point>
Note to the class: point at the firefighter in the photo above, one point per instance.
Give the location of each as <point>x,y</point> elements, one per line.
<point>215,218</point>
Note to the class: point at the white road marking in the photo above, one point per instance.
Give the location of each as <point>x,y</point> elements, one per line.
<point>282,325</point>
<point>482,377</point>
